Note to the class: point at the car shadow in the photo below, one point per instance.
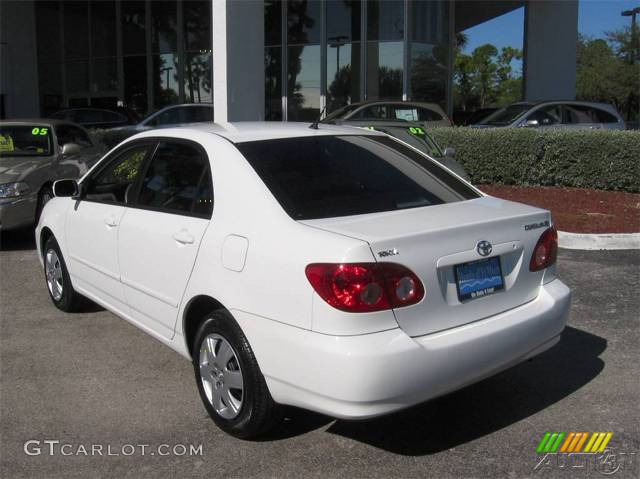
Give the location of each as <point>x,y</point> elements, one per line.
<point>487,406</point>
<point>22,239</point>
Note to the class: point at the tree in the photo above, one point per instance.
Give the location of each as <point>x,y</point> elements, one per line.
<point>606,71</point>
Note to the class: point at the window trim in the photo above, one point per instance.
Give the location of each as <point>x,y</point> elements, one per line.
<point>109,160</point>
<point>144,168</point>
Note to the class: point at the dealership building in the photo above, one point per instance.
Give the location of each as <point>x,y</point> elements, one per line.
<point>260,59</point>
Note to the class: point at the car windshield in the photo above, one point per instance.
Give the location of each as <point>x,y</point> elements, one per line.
<point>507,115</point>
<point>331,176</point>
<point>25,140</point>
<point>339,113</point>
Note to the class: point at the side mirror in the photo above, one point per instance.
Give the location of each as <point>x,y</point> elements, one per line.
<point>71,148</point>
<point>449,152</point>
<point>66,188</point>
<point>531,123</point>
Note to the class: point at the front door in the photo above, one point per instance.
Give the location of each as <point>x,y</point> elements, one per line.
<point>93,225</point>
<point>161,233</point>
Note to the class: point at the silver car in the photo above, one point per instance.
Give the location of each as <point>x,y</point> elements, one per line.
<point>429,114</point>
<point>33,154</point>
<point>171,116</point>
<point>576,115</point>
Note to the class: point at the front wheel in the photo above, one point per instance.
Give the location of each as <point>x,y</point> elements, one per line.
<point>229,380</point>
<point>62,294</point>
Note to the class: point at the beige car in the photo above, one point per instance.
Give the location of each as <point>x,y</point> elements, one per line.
<point>33,154</point>
<point>430,114</point>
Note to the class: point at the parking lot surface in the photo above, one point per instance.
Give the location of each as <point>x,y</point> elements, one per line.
<point>91,379</point>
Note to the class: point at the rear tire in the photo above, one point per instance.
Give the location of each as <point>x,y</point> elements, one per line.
<point>229,380</point>
<point>56,276</point>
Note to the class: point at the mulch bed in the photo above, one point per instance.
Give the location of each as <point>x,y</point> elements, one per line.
<point>578,210</point>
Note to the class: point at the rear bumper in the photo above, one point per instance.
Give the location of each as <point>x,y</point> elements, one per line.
<point>17,212</point>
<point>358,377</point>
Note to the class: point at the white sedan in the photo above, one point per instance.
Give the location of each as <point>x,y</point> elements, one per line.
<point>332,269</point>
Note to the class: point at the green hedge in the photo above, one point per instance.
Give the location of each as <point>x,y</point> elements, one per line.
<point>601,159</point>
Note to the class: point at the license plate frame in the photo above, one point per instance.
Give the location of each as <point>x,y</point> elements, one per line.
<point>469,292</point>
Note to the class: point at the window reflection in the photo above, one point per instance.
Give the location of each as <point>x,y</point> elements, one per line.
<point>343,53</point>
<point>273,84</point>
<point>133,27</point>
<point>303,60</point>
<point>135,84</point>
<point>429,50</point>
<point>197,78</point>
<point>385,49</point>
<point>165,80</point>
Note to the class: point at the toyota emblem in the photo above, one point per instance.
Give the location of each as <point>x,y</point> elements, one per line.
<point>484,248</point>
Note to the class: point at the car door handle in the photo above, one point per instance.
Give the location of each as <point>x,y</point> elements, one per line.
<point>110,221</point>
<point>184,237</point>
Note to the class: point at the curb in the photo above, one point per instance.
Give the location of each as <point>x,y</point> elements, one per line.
<point>606,241</point>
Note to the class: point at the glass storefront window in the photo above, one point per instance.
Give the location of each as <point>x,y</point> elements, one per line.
<point>164,22</point>
<point>197,78</point>
<point>133,27</point>
<point>103,29</point>
<point>197,25</point>
<point>48,28</point>
<point>104,75</point>
<point>343,52</point>
<point>273,84</point>
<point>165,80</point>
<point>429,50</point>
<point>77,76</point>
<point>385,49</point>
<point>135,84</point>
<point>303,60</point>
<point>303,92</point>
<point>76,30</point>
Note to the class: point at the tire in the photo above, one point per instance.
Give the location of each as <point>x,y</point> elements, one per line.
<point>46,193</point>
<point>57,279</point>
<point>222,356</point>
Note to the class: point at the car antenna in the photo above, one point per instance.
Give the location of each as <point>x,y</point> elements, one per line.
<point>314,125</point>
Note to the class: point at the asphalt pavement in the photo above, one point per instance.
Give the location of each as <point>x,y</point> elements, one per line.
<point>95,383</point>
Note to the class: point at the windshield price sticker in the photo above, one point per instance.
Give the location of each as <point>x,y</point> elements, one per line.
<point>40,131</point>
<point>6,143</point>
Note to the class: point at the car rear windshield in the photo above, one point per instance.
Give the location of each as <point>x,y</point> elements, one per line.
<point>331,176</point>
<point>25,140</point>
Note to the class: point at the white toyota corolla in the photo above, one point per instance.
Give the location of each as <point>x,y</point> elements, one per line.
<point>333,269</point>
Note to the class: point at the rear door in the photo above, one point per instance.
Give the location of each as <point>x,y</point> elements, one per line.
<point>160,235</point>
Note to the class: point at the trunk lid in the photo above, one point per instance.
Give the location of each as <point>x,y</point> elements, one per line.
<point>432,240</point>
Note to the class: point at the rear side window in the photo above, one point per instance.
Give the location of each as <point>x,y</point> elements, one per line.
<point>604,116</point>
<point>173,180</point>
<point>424,114</point>
<point>373,112</point>
<point>331,176</point>
<point>577,114</point>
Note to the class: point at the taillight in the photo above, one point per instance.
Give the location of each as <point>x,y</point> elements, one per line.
<point>546,250</point>
<point>365,287</point>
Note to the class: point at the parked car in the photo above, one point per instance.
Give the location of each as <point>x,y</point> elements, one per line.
<point>556,114</point>
<point>415,135</point>
<point>98,117</point>
<point>33,154</point>
<point>430,114</point>
<point>171,116</point>
<point>334,269</point>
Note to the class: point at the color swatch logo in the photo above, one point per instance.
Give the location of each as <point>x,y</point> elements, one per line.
<point>574,442</point>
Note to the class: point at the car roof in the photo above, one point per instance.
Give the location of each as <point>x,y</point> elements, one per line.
<point>395,102</point>
<point>240,132</point>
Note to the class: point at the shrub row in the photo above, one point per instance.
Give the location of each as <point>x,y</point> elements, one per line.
<point>601,159</point>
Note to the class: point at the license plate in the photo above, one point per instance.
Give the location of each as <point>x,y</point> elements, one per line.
<point>478,278</point>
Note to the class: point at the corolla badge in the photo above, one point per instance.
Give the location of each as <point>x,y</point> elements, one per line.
<point>484,248</point>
